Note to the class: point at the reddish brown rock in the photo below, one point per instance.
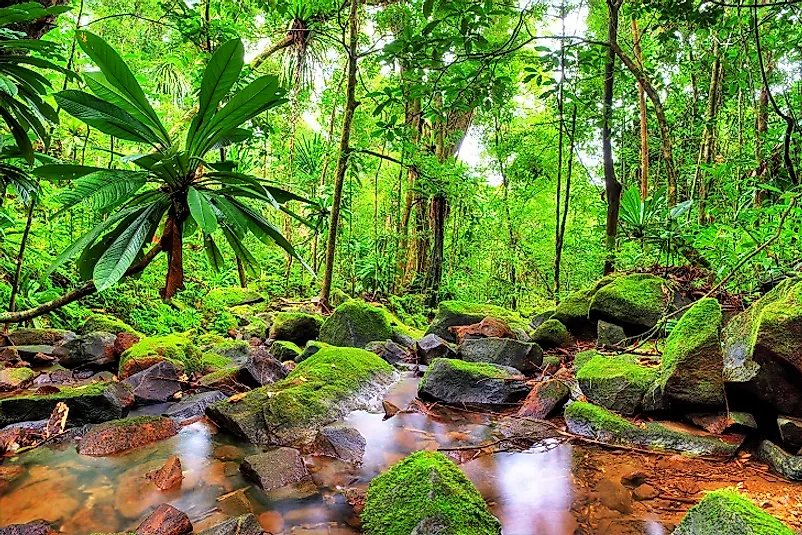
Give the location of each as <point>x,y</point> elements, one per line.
<point>165,520</point>
<point>117,436</point>
<point>645,492</point>
<point>544,399</point>
<point>124,341</point>
<point>37,527</point>
<point>169,475</point>
<point>8,474</point>
<point>487,328</point>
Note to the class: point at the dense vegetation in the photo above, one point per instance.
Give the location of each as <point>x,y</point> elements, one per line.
<point>410,151</point>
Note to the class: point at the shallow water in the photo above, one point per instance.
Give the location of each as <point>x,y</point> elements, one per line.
<point>551,488</point>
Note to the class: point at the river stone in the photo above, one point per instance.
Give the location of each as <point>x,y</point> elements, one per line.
<point>355,324</point>
<point>636,302</point>
<point>790,431</point>
<point>35,337</point>
<point>15,378</point>
<point>93,403</point>
<point>544,399</point>
<point>488,327</point>
<point>726,512</point>
<point>457,381</point>
<point>426,494</point>
<point>169,475</point>
<point>284,350</point>
<point>194,405</point>
<point>523,356</point>
<point>117,436</point>
<point>458,313</point>
<point>552,334</point>
<point>609,335</point>
<point>616,383</point>
<point>275,468</point>
<point>389,351</point>
<point>157,384</point>
<point>246,524</point>
<point>296,327</point>
<point>37,527</point>
<point>342,442</point>
<point>261,368</point>
<point>165,520</point>
<point>787,465</point>
<point>93,350</point>
<point>432,347</point>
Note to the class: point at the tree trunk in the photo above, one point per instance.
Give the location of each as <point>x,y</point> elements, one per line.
<point>20,256</point>
<point>707,146</point>
<point>172,241</point>
<point>612,185</point>
<point>644,121</point>
<point>434,275</point>
<point>345,149</point>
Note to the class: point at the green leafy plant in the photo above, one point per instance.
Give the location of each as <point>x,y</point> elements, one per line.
<point>174,185</point>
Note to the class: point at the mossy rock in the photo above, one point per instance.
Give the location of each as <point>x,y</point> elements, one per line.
<point>787,465</point>
<point>320,390</point>
<point>636,302</point>
<point>591,421</point>
<point>257,328</point>
<point>235,350</point>
<point>615,383</point>
<point>355,324</point>
<point>225,379</point>
<point>97,322</point>
<point>727,512</point>
<point>457,381</point>
<point>426,493</point>
<point>338,297</point>
<point>552,333</point>
<point>458,313</point>
<point>762,349</point>
<point>212,362</point>
<point>14,378</point>
<point>40,337</point>
<point>216,308</point>
<point>310,349</point>
<point>177,348</point>
<point>691,372</point>
<point>573,311</point>
<point>94,403</point>
<point>525,357</point>
<point>296,327</point>
<point>284,350</point>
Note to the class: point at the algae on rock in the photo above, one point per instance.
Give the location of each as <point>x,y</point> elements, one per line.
<point>177,348</point>
<point>355,324</point>
<point>636,301</point>
<point>727,512</point>
<point>616,383</point>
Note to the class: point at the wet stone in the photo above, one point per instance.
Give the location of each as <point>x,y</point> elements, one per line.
<point>790,431</point>
<point>194,405</point>
<point>787,465</point>
<point>169,475</point>
<point>341,442</point>
<point>261,368</point>
<point>431,347</point>
<point>544,399</point>
<point>275,468</point>
<point>37,527</point>
<point>156,384</point>
<point>121,435</point>
<point>246,524</point>
<point>165,520</point>
<point>390,351</point>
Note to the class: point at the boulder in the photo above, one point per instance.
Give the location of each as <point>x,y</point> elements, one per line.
<point>540,319</point>
<point>488,327</point>
<point>36,527</point>
<point>717,423</point>
<point>320,390</point>
<point>341,442</point>
<point>458,313</point>
<point>544,399</point>
<point>597,423</point>
<point>176,348</point>
<point>92,350</point>
<point>169,475</point>
<point>194,405</point>
<point>165,520</point>
<point>787,465</point>
<point>37,337</point>
<point>156,384</point>
<point>94,403</point>
<point>246,524</point>
<point>236,351</point>
<point>355,324</point>
<point>97,322</point>
<point>616,383</point>
<point>726,512</point>
<point>636,302</point>
<point>283,350</point>
<point>15,378</point>
<point>389,351</point>
<point>310,349</point>
<point>552,334</point>
<point>426,493</point>
<point>526,357</point>
<point>790,431</point>
<point>432,347</point>
<point>762,350</point>
<point>457,381</point>
<point>609,335</point>
<point>295,327</point>
<point>261,368</point>
<point>574,310</point>
<point>226,380</point>
<point>275,468</point>
<point>117,436</point>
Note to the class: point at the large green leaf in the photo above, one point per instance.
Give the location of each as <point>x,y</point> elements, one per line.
<point>201,210</point>
<point>59,172</point>
<point>104,188</point>
<point>241,252</point>
<point>213,253</point>
<point>105,116</point>
<point>20,134</point>
<point>100,86</point>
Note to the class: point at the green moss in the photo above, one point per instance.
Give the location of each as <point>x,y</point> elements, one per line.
<point>296,327</point>
<point>727,512</point>
<point>223,375</point>
<point>65,393</point>
<point>552,333</point>
<point>781,323</point>
<point>574,309</point>
<point>284,350</point>
<point>104,323</point>
<point>219,298</point>
<point>355,324</point>
<point>212,362</point>
<point>14,377</point>
<point>338,297</point>
<point>477,371</point>
<point>256,328</point>
<point>176,348</point>
<point>636,300</point>
<point>426,490</point>
<point>551,363</point>
<point>230,348</point>
<point>462,308</point>
<point>310,349</point>
<point>615,383</point>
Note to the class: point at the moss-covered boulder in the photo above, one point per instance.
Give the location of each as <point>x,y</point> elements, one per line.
<point>459,313</point>
<point>636,302</point>
<point>117,436</point>
<point>787,465</point>
<point>177,348</point>
<point>457,381</point>
<point>225,379</point>
<point>552,333</point>
<point>284,350</point>
<point>295,327</point>
<point>310,349</point>
<point>15,378</point>
<point>616,383</point>
<point>591,421</point>
<point>235,350</point>
<point>320,390</point>
<point>763,349</point>
<point>39,337</point>
<point>573,311</point>
<point>691,372</point>
<point>544,399</point>
<point>216,308</point>
<point>355,324</point>
<point>727,512</point>
<point>426,493</point>
<point>93,403</point>
<point>97,322</point>
<point>525,357</point>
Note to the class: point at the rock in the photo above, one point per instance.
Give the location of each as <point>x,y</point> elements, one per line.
<point>169,475</point>
<point>487,328</point>
<point>157,384</point>
<point>310,349</point>
<point>458,313</point>
<point>39,337</point>
<point>389,351</point>
<point>236,351</point>
<point>645,492</point>
<point>194,405</point>
<point>403,339</point>
<point>426,494</point>
<point>691,371</point>
<point>762,350</point>
<point>432,347</point>
<point>540,319</point>
<point>165,520</point>
<point>341,442</point>
<point>355,324</point>
<point>97,322</point>
<point>125,341</point>
<point>597,423</point>
<point>275,468</point>
<point>15,378</point>
<point>261,368</point>
<point>283,350</point>
<point>636,302</point>
<point>726,512</point>
<point>246,524</point>
<point>28,354</point>
<point>524,356</point>
<point>787,465</point>
<point>616,383</point>
<point>613,495</point>
<point>551,365</point>
<point>37,527</point>
<point>320,390</point>
<point>9,356</point>
<point>609,335</point>
<point>552,334</point>
<point>176,348</point>
<point>544,399</point>
<point>118,436</point>
<point>93,403</point>
<point>457,381</point>
<point>574,310</point>
<point>790,431</point>
<point>295,327</point>
<point>720,422</point>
